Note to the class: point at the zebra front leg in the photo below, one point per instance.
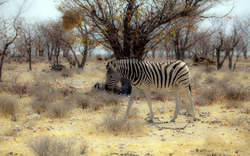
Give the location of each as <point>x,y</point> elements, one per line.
<point>148,96</point>
<point>130,102</point>
<point>177,101</point>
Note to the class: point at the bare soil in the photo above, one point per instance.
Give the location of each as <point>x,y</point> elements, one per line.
<point>220,130</point>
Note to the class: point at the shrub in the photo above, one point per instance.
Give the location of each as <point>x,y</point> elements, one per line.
<point>196,76</point>
<point>55,146</point>
<point>8,105</point>
<point>111,123</point>
<point>46,93</point>
<point>229,76</point>
<point>17,88</point>
<point>67,73</point>
<point>210,79</point>
<point>206,96</point>
<point>97,99</point>
<point>82,100</point>
<point>236,93</point>
<point>160,95</point>
<point>115,109</point>
<point>40,106</point>
<point>60,109</point>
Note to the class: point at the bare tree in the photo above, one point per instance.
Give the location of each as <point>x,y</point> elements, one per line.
<point>9,40</point>
<point>82,41</point>
<point>27,33</point>
<point>131,28</point>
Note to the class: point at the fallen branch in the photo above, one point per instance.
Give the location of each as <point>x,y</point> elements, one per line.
<point>172,128</point>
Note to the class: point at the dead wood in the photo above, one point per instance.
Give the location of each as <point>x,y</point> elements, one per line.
<point>172,128</point>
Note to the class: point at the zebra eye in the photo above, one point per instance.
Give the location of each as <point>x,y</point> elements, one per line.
<point>110,76</point>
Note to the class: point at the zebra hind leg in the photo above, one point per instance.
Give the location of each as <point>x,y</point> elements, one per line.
<point>191,101</point>
<point>174,90</point>
<point>148,96</point>
<point>130,102</point>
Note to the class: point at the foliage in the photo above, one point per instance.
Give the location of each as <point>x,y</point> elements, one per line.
<point>132,28</point>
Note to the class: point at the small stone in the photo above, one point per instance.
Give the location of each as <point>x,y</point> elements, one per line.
<point>160,120</point>
<point>122,150</point>
<point>162,111</point>
<point>15,118</point>
<point>17,128</point>
<point>183,112</point>
<point>163,139</point>
<point>6,138</point>
<point>34,117</point>
<point>27,109</point>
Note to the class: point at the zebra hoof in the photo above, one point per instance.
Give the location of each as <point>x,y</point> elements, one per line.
<point>172,120</point>
<point>150,121</point>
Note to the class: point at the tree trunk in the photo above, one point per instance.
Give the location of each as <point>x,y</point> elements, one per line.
<point>1,64</point>
<point>84,57</point>
<point>30,61</point>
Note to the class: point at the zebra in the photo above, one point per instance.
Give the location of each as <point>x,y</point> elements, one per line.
<point>146,75</point>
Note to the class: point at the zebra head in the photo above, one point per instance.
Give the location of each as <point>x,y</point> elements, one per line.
<point>112,76</point>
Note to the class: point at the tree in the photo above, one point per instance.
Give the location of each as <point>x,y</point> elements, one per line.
<point>204,44</point>
<point>218,39</point>
<point>6,37</point>
<point>54,35</point>
<point>80,39</point>
<point>232,40</point>
<point>28,35</point>
<point>131,28</point>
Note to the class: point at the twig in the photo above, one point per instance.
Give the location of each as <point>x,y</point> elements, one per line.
<point>184,132</point>
<point>172,128</point>
<point>17,76</point>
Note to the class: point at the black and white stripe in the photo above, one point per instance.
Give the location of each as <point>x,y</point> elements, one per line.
<point>147,75</point>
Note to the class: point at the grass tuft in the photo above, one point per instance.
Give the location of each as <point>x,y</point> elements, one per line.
<point>8,105</point>
<point>60,110</point>
<point>112,123</point>
<point>55,146</point>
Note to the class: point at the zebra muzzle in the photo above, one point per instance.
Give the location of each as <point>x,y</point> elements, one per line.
<point>107,89</point>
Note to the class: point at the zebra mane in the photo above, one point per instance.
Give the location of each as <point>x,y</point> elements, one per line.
<point>114,63</point>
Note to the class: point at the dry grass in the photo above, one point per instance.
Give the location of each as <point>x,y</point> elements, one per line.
<point>222,143</point>
<point>98,99</point>
<point>8,105</point>
<point>60,109</point>
<point>10,131</point>
<point>210,79</point>
<point>46,93</point>
<point>54,146</point>
<point>40,106</point>
<point>229,76</point>
<point>116,124</point>
<point>206,96</point>
<point>196,77</point>
<point>160,95</point>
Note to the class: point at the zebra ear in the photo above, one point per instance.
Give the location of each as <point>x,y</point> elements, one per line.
<point>108,66</point>
<point>111,64</point>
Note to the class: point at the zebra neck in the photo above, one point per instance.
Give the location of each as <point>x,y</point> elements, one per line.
<point>127,72</point>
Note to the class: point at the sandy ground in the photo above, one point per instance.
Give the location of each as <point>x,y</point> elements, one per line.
<point>219,130</point>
